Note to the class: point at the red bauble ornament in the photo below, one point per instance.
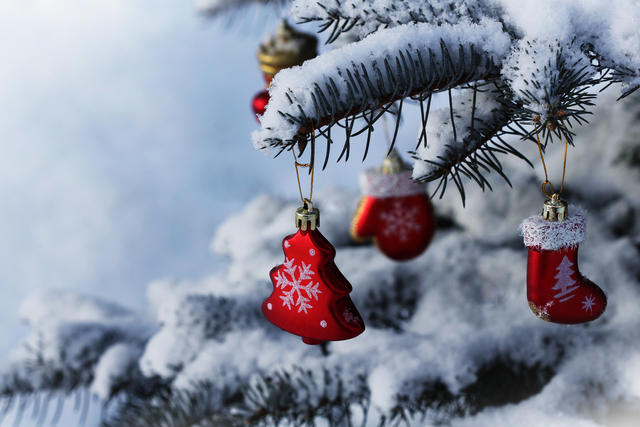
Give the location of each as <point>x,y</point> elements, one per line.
<point>394,211</point>
<point>259,103</point>
<point>310,295</point>
<point>556,290</point>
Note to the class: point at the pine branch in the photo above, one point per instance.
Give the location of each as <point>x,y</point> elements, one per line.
<point>413,49</point>
<point>361,79</point>
<point>298,396</point>
<point>468,148</point>
<point>626,72</point>
<point>338,393</point>
<point>364,17</point>
<point>551,82</point>
<point>171,407</point>
<point>499,382</point>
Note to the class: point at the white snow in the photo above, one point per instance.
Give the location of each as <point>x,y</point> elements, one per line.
<point>440,144</point>
<point>114,365</point>
<point>370,14</point>
<point>612,30</point>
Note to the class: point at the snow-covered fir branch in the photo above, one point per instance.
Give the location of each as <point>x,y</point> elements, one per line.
<point>364,76</point>
<point>466,139</point>
<point>363,17</point>
<point>75,341</point>
<point>550,59</point>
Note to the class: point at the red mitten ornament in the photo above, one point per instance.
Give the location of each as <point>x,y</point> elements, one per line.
<point>556,290</point>
<point>394,210</point>
<point>310,295</point>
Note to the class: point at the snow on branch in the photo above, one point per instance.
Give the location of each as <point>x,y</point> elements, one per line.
<point>364,17</point>
<point>72,341</point>
<point>465,139</point>
<point>551,80</point>
<point>391,64</point>
<point>618,50</point>
<point>607,32</point>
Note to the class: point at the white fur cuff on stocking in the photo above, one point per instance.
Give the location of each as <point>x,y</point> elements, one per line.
<point>548,235</point>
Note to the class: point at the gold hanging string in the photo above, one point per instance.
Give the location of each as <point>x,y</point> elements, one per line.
<point>544,166</point>
<point>305,165</point>
<point>564,162</point>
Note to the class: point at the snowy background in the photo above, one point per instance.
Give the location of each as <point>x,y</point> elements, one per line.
<point>126,144</point>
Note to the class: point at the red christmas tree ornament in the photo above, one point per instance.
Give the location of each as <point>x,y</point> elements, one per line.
<point>283,49</point>
<point>556,290</point>
<point>259,103</point>
<point>394,211</point>
<point>310,295</point>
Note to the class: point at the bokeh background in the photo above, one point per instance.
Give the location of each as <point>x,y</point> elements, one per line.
<point>124,135</point>
<point>125,141</point>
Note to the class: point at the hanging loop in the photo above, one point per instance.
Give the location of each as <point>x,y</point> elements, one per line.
<point>550,193</point>
<point>546,182</point>
<point>307,217</point>
<point>305,165</point>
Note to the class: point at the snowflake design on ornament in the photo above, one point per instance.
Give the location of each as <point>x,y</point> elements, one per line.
<point>400,221</point>
<point>294,297</point>
<point>588,303</point>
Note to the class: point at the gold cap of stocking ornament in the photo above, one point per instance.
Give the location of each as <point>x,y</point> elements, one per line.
<point>286,48</point>
<point>393,164</point>
<point>555,209</point>
<point>307,216</point>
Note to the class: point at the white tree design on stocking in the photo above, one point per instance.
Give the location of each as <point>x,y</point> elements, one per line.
<point>294,296</point>
<point>565,282</point>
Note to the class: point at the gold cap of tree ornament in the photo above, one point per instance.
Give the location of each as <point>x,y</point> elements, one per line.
<point>286,48</point>
<point>307,216</point>
<point>555,209</point>
<point>393,164</point>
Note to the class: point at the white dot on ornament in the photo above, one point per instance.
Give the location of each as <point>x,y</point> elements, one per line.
<point>286,244</point>
<point>323,323</point>
<point>269,306</point>
<point>312,252</point>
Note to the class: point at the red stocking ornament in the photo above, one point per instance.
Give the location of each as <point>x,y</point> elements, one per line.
<point>310,295</point>
<point>394,210</point>
<point>556,290</point>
